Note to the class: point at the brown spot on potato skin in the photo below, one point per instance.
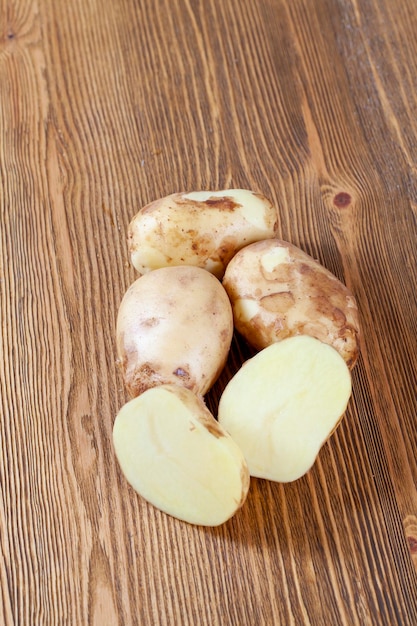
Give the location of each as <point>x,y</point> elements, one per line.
<point>147,376</point>
<point>184,376</point>
<point>323,304</point>
<point>339,317</point>
<point>225,335</point>
<point>225,203</point>
<point>150,322</point>
<point>280,302</point>
<point>180,372</point>
<point>226,250</point>
<point>305,268</point>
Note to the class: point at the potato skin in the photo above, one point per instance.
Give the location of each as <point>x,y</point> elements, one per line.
<point>279,291</point>
<point>202,228</point>
<point>174,325</point>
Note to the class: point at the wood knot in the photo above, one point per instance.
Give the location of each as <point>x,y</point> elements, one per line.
<point>412,544</point>
<point>342,200</point>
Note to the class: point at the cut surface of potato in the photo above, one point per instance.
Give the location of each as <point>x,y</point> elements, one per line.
<point>283,404</point>
<point>175,455</point>
<point>174,325</point>
<point>279,291</point>
<point>201,228</point>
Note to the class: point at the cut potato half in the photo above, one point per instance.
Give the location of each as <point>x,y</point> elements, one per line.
<point>176,456</point>
<point>283,405</point>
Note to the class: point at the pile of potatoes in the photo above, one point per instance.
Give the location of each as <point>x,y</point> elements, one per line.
<point>209,263</point>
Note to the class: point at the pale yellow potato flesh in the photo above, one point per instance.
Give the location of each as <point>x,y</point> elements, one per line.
<point>200,228</point>
<point>283,405</point>
<point>279,291</point>
<point>174,325</point>
<point>175,455</point>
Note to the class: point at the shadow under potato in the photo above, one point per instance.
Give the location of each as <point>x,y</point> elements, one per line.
<point>240,351</point>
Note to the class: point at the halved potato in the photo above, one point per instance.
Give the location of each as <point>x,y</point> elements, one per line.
<point>279,291</point>
<point>174,325</point>
<point>201,228</point>
<point>176,456</point>
<point>283,405</point>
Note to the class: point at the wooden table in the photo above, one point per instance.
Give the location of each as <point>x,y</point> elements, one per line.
<point>105,106</point>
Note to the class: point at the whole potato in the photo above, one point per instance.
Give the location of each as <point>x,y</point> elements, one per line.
<point>201,228</point>
<point>174,325</point>
<point>279,291</point>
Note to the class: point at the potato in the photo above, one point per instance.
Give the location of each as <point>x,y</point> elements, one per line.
<point>201,228</point>
<point>283,404</point>
<point>174,325</point>
<point>176,456</point>
<point>279,291</point>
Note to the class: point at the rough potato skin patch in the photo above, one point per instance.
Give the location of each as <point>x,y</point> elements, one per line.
<point>142,378</point>
<point>280,302</point>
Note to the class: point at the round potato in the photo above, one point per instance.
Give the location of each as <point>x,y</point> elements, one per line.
<point>201,228</point>
<point>176,455</point>
<point>174,325</point>
<point>279,291</point>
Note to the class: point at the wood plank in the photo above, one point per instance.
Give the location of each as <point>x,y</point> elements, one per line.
<point>106,106</point>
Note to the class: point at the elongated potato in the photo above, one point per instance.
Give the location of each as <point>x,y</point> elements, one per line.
<point>175,455</point>
<point>201,228</point>
<point>283,405</point>
<point>174,325</point>
<point>279,291</point>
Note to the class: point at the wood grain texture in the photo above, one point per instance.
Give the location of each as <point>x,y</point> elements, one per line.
<point>105,106</point>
